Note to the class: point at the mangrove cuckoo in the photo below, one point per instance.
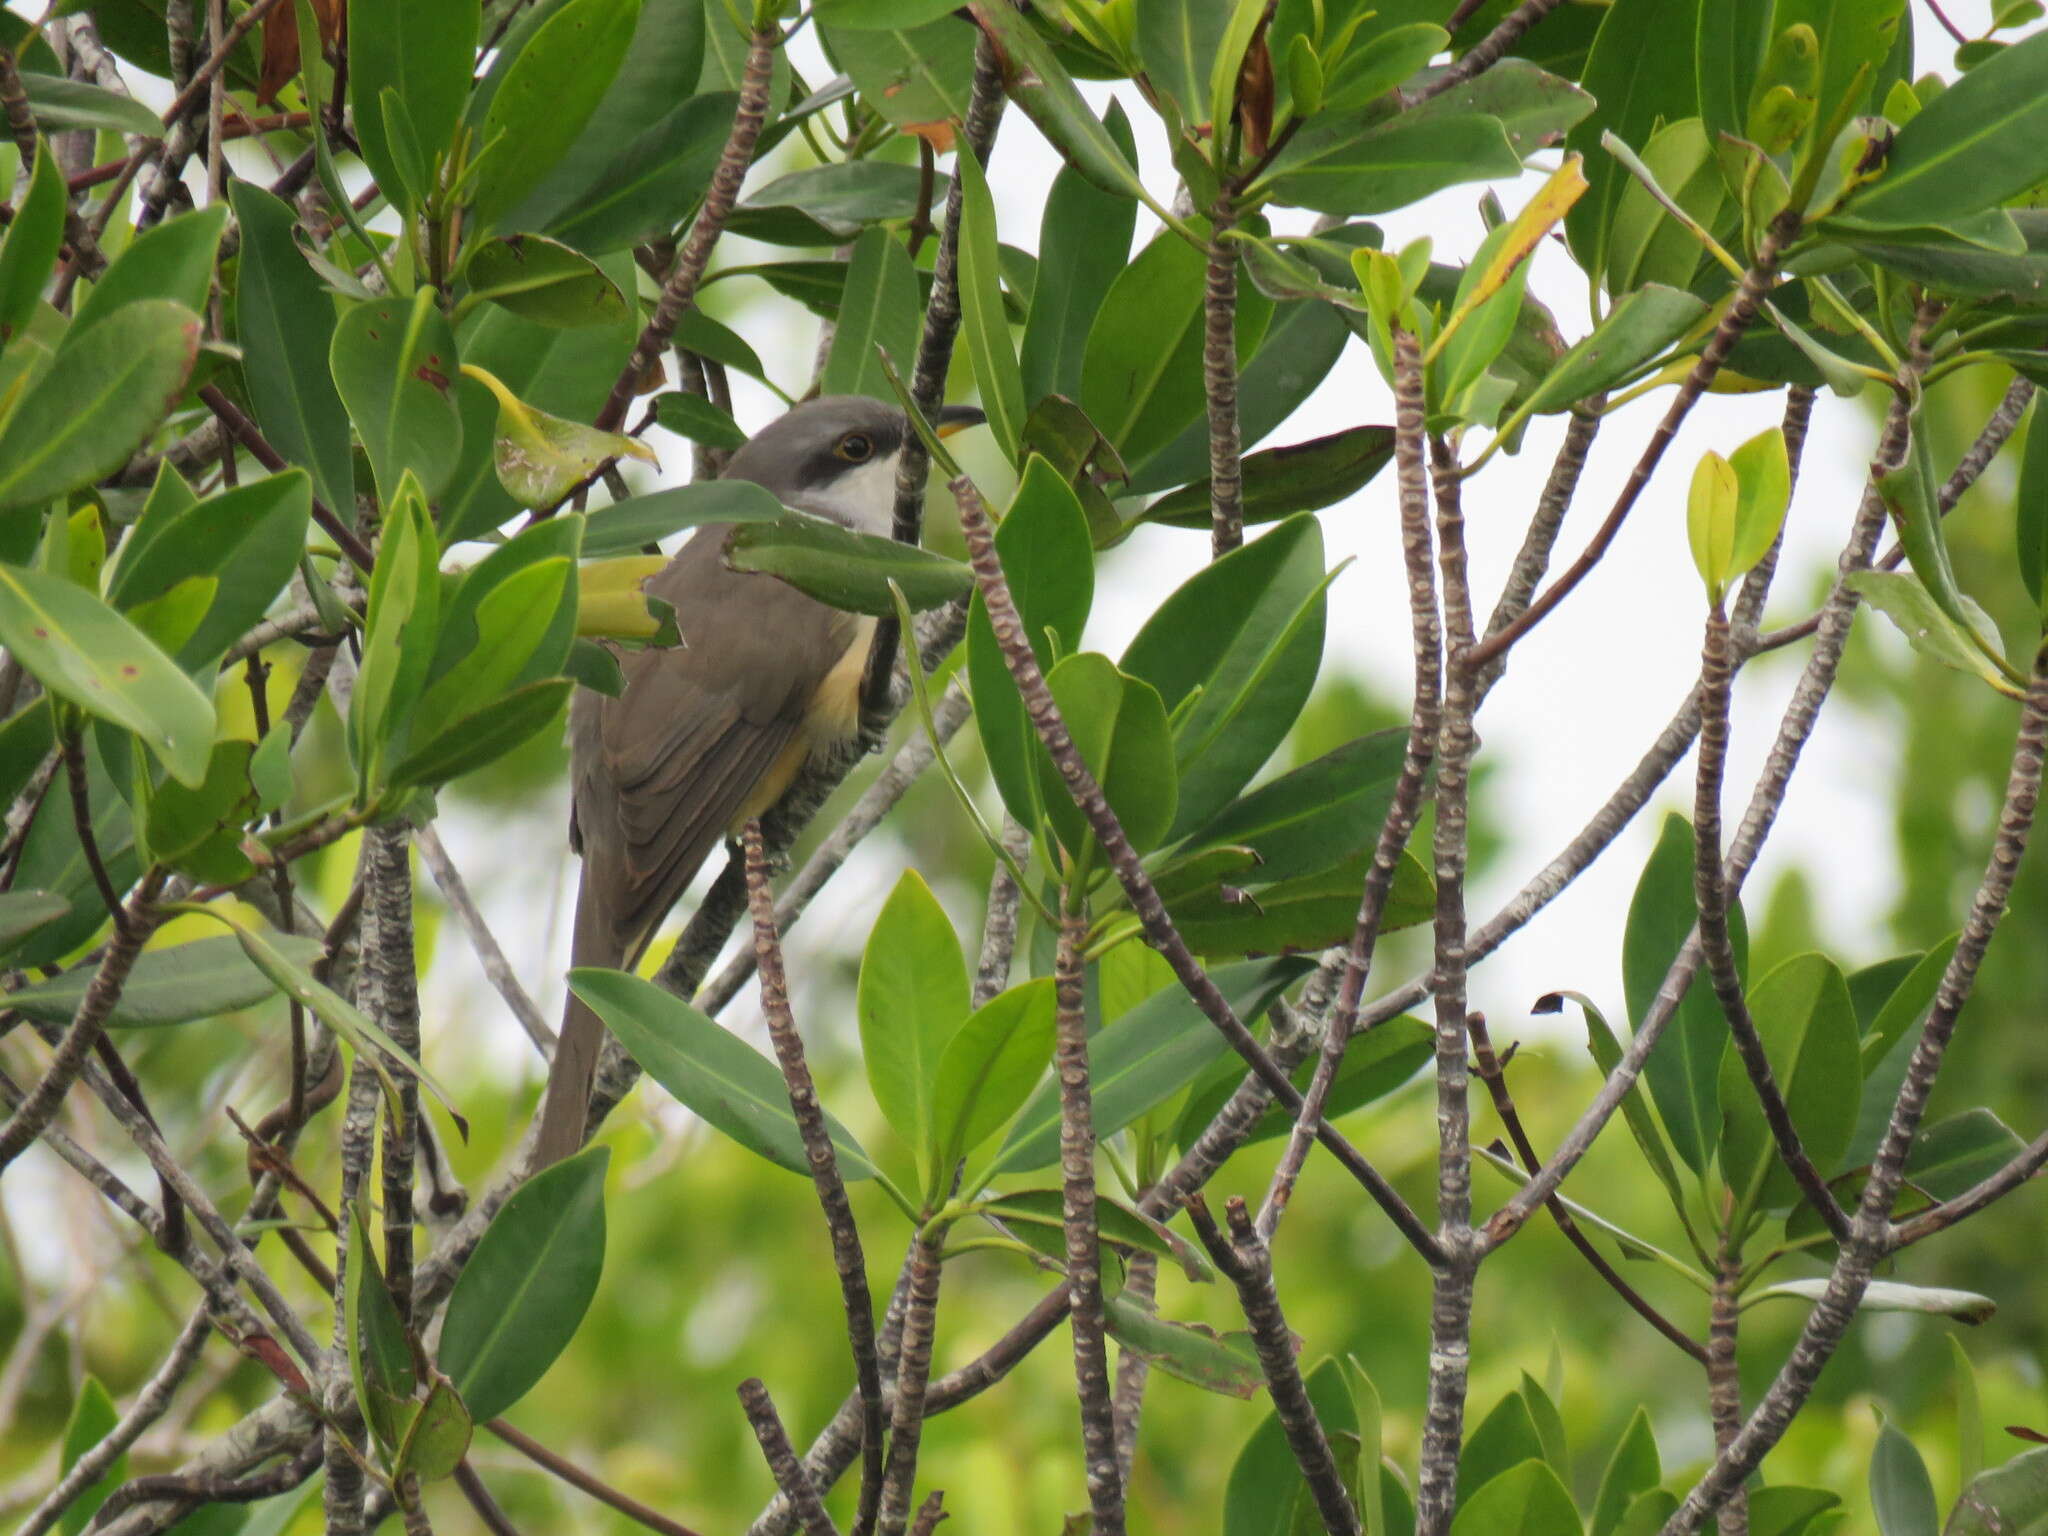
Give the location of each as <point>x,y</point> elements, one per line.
<point>710,732</point>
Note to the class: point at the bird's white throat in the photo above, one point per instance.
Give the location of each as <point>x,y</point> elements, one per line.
<point>863,498</point>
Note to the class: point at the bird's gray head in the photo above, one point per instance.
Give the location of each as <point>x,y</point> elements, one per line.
<point>836,456</point>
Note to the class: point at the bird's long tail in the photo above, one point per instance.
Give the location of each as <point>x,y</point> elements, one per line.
<point>566,1109</point>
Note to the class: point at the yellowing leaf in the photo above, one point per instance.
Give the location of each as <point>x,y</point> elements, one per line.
<point>1710,520</point>
<point>541,458</point>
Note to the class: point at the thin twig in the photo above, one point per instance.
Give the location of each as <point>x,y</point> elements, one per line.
<point>250,436</point>
<point>541,1456</point>
<point>1724,1376</point>
<point>1219,387</point>
<point>489,953</point>
<point>1489,50</point>
<point>782,1460</point>
<point>847,1256</point>
<point>913,1377</point>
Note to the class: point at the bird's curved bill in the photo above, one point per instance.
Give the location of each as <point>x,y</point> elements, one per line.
<point>949,419</point>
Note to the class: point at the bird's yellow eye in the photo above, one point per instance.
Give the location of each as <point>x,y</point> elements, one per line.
<point>856,448</point>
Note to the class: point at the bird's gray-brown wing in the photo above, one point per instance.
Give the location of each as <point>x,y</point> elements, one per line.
<point>662,771</point>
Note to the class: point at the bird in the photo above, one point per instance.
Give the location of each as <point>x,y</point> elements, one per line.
<point>709,733</point>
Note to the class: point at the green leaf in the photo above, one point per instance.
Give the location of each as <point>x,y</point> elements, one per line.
<point>541,458</point>
<point>2007,1499</point>
<point>172,260</point>
<point>1684,1070</point>
<point>1978,143</point>
<point>1503,1440</point>
<point>1526,1500</point>
<point>1901,597</point>
<point>1808,1026</point>
<point>1710,522</point>
<point>1639,67</point>
<point>521,1296</point>
<point>1177,42</point>
<point>1142,1060</point>
<point>912,1001</point>
<point>1084,241</point>
<point>1950,265</point>
<point>547,95</point>
<point>989,1067</point>
<point>1969,1415</point>
<point>399,629</point>
<point>913,73</point>
<point>1301,477</point>
<point>60,104</point>
<point>439,1436</point>
<point>1374,67</point>
<point>83,651</point>
<point>1039,1217</point>
<point>1239,645</point>
<point>198,979</point>
<point>844,568</point>
<point>23,912</point>
<point>1959,1151</point>
<point>544,281</point>
<point>200,831</point>
<point>847,195</point>
<point>1647,1513</point>
<point>1119,727</point>
<point>1646,243</point>
<point>424,55</point>
<point>100,400</point>
<point>1266,1486</point>
<point>53,860</point>
<point>394,364</point>
<point>1890,1296</point>
<point>880,307</point>
<point>653,178</point>
<point>1901,1492</point>
<point>1312,912</point>
<point>628,526</point>
<point>880,13</point>
<point>509,623</point>
<point>1383,165</point>
<point>984,329</point>
<point>250,538</point>
<point>1375,1064</point>
<point>1632,1470</point>
<point>2030,507</point>
<point>1763,476</point>
<point>30,246</point>
<point>1049,562</point>
<point>1641,327</point>
<point>1606,1052</point>
<point>1141,368</point>
<point>484,736</point>
<point>694,417</point>
<point>732,1086</point>
<point>93,1418</point>
<point>1226,1363</point>
<point>379,1355</point>
<point>284,320</point>
<point>1319,815</point>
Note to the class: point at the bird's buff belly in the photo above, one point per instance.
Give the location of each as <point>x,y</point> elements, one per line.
<point>834,716</point>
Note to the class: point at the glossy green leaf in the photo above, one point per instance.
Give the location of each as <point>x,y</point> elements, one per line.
<point>60,104</point>
<point>1641,327</point>
<point>698,419</point>
<point>379,1355</point>
<point>627,526</point>
<point>394,364</point>
<point>1684,1070</point>
<point>1142,1060</point>
<point>845,196</point>
<point>484,736</point>
<point>1904,599</point>
<point>984,330</point>
<point>1646,243</point>
<point>1371,68</point>
<point>1501,1441</point>
<point>913,72</point>
<point>653,179</point>
<point>1311,912</point>
<point>1084,241</point>
<point>1266,1490</point>
<point>880,307</point>
<point>1383,165</point>
<point>100,400</point>
<point>1978,143</point>
<point>1317,816</point>
<point>1710,522</point>
<point>1278,482</point>
<point>1632,1470</point>
<point>23,912</point>
<point>989,1067</point>
<point>548,94</point>
<point>198,979</point>
<point>540,458</point>
<point>250,538</point>
<point>1177,41</point>
<point>172,260</point>
<point>2030,506</point>
<point>509,623</point>
<point>1227,1363</point>
<point>93,1418</point>
<point>881,13</point>
<point>399,628</point>
<point>1384,1058</point>
<point>438,1437</point>
<point>1526,1500</point>
<point>1901,1492</point>
<point>1605,1050</point>
<point>543,280</point>
<point>1951,265</point>
<point>1242,640</point>
<point>200,831</point>
<point>1638,69</point>
<point>1763,477</point>
<point>285,322</point>
<point>1049,562</point>
<point>83,651</point>
<point>1647,1513</point>
<point>521,1296</point>
<point>912,1000</point>
<point>1038,1218</point>
<point>1959,1151</point>
<point>732,1086</point>
<point>1141,369</point>
<point>31,243</point>
<point>844,568</point>
<point>1808,1026</point>
<point>1118,725</point>
<point>423,54</point>
<point>2006,1499</point>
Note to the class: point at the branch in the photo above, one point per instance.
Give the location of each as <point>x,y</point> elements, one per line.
<point>1083,1237</point>
<point>679,289</point>
<point>1533,559</point>
<point>847,1257</point>
<point>1219,387</point>
<point>1997,1186</point>
<point>1488,51</point>
<point>913,1376</point>
<point>1724,1376</point>
<point>1130,872</point>
<point>999,928</point>
<point>191,1490</point>
<point>1248,1264</point>
<point>244,430</point>
<point>781,1457</point>
<point>584,1482</point>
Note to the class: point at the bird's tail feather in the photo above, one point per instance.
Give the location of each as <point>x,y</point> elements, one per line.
<point>566,1109</point>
